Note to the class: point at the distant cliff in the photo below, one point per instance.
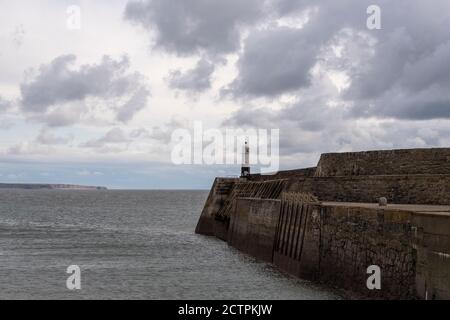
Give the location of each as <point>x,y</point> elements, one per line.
<point>48,186</point>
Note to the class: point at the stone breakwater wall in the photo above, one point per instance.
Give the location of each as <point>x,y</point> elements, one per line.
<point>218,195</point>
<point>334,244</point>
<point>391,162</point>
<point>288,174</point>
<point>402,189</point>
<point>336,232</point>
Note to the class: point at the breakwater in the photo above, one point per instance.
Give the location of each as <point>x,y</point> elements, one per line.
<point>325,224</point>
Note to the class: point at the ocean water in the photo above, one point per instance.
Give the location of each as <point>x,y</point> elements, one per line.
<point>128,245</point>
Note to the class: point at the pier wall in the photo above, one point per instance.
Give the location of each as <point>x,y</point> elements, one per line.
<point>218,194</point>
<point>402,189</point>
<point>253,227</point>
<point>286,174</point>
<point>340,231</point>
<point>385,162</point>
<point>432,241</point>
<point>335,244</point>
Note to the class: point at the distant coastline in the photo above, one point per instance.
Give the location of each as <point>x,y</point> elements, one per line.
<point>37,186</point>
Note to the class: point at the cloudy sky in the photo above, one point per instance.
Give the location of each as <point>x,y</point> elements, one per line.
<point>98,104</point>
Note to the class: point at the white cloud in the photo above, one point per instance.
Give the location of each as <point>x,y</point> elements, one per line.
<point>50,91</point>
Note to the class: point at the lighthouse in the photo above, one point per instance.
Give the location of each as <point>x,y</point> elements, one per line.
<point>245,168</point>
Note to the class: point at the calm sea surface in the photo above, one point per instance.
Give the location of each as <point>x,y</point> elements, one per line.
<point>129,245</point>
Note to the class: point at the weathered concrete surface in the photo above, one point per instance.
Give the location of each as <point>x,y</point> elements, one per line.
<point>253,226</point>
<point>385,162</point>
<point>287,174</point>
<point>420,208</point>
<point>350,239</point>
<point>432,241</point>
<point>266,189</point>
<point>219,193</point>
<point>291,244</point>
<point>336,243</point>
<point>402,189</point>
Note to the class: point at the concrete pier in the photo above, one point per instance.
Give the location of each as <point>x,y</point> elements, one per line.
<point>326,224</point>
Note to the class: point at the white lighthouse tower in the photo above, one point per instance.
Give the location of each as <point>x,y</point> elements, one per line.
<point>245,168</point>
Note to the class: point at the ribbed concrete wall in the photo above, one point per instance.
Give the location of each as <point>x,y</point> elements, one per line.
<point>253,227</point>
<point>335,245</point>
<point>432,240</point>
<point>292,243</point>
<point>270,189</point>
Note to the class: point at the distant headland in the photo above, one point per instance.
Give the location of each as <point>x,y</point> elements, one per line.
<point>36,186</point>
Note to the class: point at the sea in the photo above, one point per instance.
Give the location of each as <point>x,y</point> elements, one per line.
<point>127,245</point>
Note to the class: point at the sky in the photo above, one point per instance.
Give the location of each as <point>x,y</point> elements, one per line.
<point>92,91</point>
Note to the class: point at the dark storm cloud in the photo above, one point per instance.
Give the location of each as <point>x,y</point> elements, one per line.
<point>432,103</point>
<point>189,26</point>
<point>274,61</point>
<point>278,59</point>
<point>401,71</point>
<point>432,69</point>
<point>60,82</point>
<point>197,79</point>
